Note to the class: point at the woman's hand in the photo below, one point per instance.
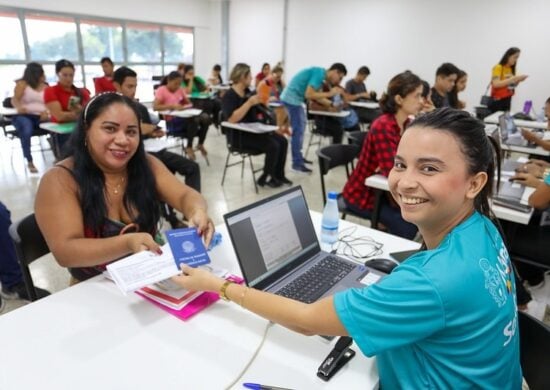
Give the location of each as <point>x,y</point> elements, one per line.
<point>198,279</point>
<point>137,242</point>
<point>533,169</point>
<point>529,135</point>
<point>204,225</point>
<point>526,179</point>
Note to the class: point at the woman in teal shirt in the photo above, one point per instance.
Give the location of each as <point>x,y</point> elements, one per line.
<point>447,316</point>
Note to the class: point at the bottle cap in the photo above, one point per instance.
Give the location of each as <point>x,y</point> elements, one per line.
<point>333,195</point>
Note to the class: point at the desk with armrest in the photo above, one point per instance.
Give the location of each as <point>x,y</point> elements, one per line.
<point>493,119</point>
<point>59,341</point>
<point>380,183</point>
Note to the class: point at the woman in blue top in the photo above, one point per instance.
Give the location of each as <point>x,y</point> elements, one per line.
<point>446,317</point>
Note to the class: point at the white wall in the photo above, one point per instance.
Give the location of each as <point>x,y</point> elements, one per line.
<point>391,36</point>
<point>256,32</point>
<point>203,15</point>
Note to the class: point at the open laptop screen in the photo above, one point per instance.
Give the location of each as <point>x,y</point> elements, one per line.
<point>507,126</point>
<point>272,235</point>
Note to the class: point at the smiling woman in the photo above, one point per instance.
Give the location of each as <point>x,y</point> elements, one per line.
<point>444,318</point>
<point>107,192</point>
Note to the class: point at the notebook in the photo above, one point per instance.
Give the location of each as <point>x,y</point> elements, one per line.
<point>277,249</point>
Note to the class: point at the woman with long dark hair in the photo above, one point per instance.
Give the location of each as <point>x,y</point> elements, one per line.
<point>28,99</point>
<point>460,85</point>
<point>106,187</point>
<point>504,81</point>
<point>402,99</point>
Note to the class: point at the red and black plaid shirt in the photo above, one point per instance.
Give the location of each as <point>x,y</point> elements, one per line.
<point>377,156</point>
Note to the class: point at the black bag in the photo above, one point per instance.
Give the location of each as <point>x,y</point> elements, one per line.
<point>487,100</point>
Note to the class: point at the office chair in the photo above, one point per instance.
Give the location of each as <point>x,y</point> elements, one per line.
<point>534,344</point>
<point>29,246</point>
<point>321,127</point>
<point>234,148</point>
<point>356,138</point>
<point>333,156</point>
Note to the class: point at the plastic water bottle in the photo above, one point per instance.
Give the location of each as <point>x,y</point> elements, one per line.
<point>331,216</point>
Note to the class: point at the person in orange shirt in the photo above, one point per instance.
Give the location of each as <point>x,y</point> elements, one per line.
<point>269,90</point>
<point>504,81</point>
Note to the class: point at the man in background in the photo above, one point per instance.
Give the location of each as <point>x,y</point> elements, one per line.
<point>105,83</point>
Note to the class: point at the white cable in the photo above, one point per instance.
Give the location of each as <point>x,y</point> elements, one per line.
<point>247,366</point>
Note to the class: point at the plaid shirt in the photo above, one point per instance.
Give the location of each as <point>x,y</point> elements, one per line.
<point>377,156</point>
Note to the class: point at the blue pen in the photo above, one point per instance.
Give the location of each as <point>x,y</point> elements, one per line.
<point>257,386</point>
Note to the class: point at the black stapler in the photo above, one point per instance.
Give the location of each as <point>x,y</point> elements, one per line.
<point>336,359</point>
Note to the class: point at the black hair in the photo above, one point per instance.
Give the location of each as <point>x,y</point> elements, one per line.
<point>547,101</point>
<point>121,73</point>
<point>171,76</point>
<point>217,68</point>
<point>425,89</point>
<point>187,68</point>
<point>141,200</point>
<point>481,151</point>
<point>446,69</point>
<point>364,70</point>
<point>507,54</point>
<point>402,85</point>
<point>106,59</point>
<point>339,67</point>
<point>453,95</point>
<point>265,64</point>
<point>32,74</point>
<point>63,63</point>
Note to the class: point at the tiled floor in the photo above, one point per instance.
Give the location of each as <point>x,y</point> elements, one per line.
<point>18,189</point>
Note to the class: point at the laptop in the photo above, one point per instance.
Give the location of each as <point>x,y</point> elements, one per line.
<point>506,164</point>
<point>277,249</point>
<point>509,133</point>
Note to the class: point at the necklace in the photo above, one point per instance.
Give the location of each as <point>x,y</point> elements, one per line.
<point>117,187</point>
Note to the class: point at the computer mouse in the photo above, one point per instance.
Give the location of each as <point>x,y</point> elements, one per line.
<point>381,264</point>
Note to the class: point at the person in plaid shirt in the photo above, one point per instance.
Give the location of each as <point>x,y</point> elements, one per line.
<point>402,99</point>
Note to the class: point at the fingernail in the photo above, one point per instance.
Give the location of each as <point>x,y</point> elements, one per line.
<point>159,251</point>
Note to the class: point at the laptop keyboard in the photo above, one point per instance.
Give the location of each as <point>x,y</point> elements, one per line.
<point>313,283</point>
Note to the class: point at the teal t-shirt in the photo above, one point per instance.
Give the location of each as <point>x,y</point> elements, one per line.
<point>547,180</point>
<point>445,318</point>
<point>295,91</point>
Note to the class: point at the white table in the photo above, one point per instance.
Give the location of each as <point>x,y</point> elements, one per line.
<point>8,111</point>
<point>493,119</point>
<point>90,336</point>
<point>337,114</point>
<point>369,105</point>
<point>220,87</point>
<point>250,127</point>
<point>187,113</point>
<point>380,182</point>
<point>153,145</point>
<point>538,151</point>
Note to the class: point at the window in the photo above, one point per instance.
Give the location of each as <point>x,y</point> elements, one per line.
<point>12,48</point>
<point>143,43</point>
<point>8,75</point>
<point>51,37</point>
<point>101,39</point>
<point>178,45</point>
<point>46,37</point>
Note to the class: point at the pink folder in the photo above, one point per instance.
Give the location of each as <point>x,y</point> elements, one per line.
<point>202,301</point>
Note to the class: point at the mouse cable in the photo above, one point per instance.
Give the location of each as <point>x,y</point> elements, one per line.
<point>254,356</point>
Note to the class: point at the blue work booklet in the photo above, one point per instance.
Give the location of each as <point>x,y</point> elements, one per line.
<point>187,247</point>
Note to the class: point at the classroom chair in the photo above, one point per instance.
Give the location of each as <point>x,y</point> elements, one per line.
<point>235,149</point>
<point>29,246</point>
<point>534,347</point>
<point>333,156</point>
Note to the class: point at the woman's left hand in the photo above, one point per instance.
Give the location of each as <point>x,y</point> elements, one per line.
<point>204,225</point>
<point>197,279</point>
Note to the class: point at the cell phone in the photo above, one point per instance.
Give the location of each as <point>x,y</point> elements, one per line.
<point>404,255</point>
<point>73,101</point>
